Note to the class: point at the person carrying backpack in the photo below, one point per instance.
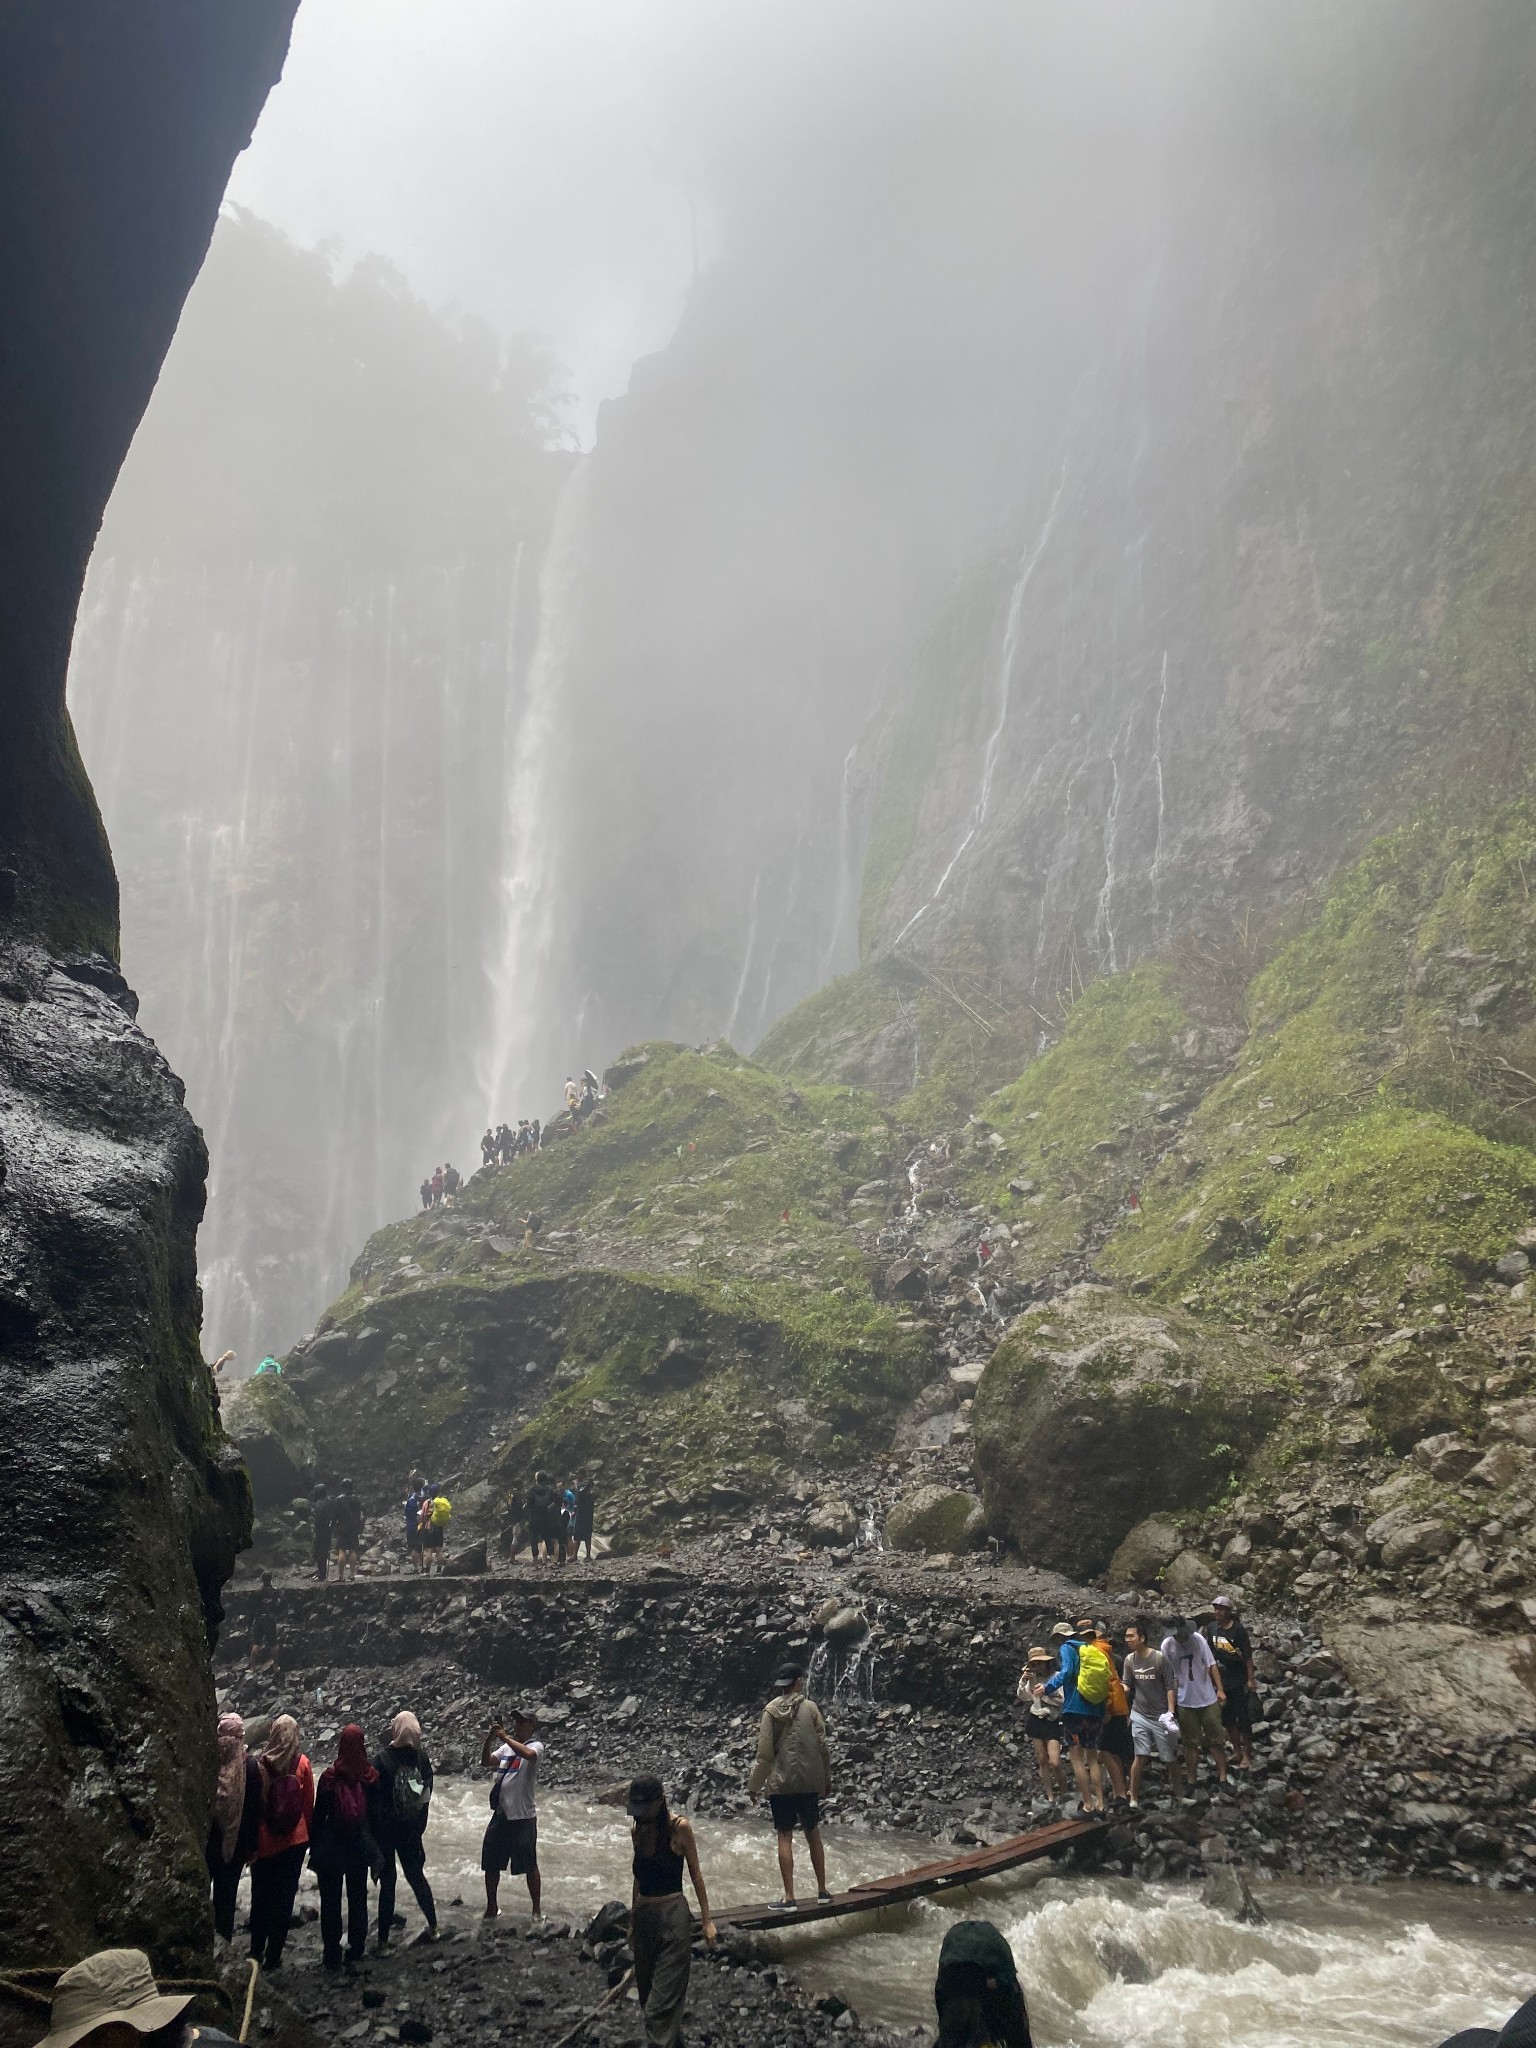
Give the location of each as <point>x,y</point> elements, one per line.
<point>794,1768</point>
<point>436,1513</point>
<point>341,1845</point>
<point>400,1802</point>
<point>287,1802</point>
<point>346,1530</point>
<point>235,1818</point>
<point>1083,1684</point>
<point>1117,1752</point>
<point>1233,1647</point>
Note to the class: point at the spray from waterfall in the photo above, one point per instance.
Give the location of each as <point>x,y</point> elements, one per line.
<point>746,963</point>
<point>518,971</point>
<point>993,750</point>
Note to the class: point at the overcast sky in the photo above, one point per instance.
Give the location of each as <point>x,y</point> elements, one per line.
<point>515,157</point>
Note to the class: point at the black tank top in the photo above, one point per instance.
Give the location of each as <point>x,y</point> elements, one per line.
<point>656,1877</point>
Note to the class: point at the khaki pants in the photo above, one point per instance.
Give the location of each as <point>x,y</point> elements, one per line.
<point>661,1936</point>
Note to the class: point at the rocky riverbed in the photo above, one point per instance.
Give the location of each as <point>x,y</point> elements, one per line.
<point>640,1665</point>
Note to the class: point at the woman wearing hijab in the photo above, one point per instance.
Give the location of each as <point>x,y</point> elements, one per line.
<point>236,1817</point>
<point>661,1927</point>
<point>976,1992</point>
<point>399,1804</point>
<point>287,1801</point>
<point>342,1850</point>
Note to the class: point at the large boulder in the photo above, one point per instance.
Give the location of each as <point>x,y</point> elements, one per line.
<point>1477,1685</point>
<point>266,1422</point>
<point>1410,1393</point>
<point>1097,1413</point>
<point>831,1521</point>
<point>1144,1554</point>
<point>936,1520</point>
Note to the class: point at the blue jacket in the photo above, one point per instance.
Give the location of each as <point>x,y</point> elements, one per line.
<point>1064,1681</point>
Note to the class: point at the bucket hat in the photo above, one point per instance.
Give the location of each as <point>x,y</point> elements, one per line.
<point>115,1984</point>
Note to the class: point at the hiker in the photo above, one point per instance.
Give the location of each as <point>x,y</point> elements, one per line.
<point>415,1496</point>
<point>1042,1722</point>
<point>401,1800</point>
<point>282,1838</point>
<point>583,1512</point>
<point>268,1368</point>
<point>111,2000</point>
<point>1147,1676</point>
<point>572,1095</point>
<point>542,1512</point>
<point>437,1187</point>
<point>451,1183</point>
<point>535,1136</point>
<point>263,1652</point>
<point>567,1520</point>
<point>436,1513</point>
<point>1082,1680</point>
<point>347,1529</point>
<point>1234,1655</point>
<point>533,1223</point>
<point>1200,1695</point>
<point>976,1991</point>
<point>341,1846</point>
<point>489,1146</point>
<point>794,1769</point>
<point>236,1817</point>
<point>426,1193</point>
<point>320,1520</point>
<point>660,1925</point>
<point>511,1840</point>
<point>1117,1750</point>
<point>224,1358</point>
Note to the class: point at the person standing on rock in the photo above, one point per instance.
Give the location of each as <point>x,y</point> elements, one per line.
<point>1082,1681</point>
<point>341,1847</point>
<point>1042,1721</point>
<point>401,1800</point>
<point>347,1529</point>
<point>542,1513</point>
<point>426,1193</point>
<point>437,1187</point>
<point>320,1515</point>
<point>976,1992</point>
<point>416,1493</point>
<point>436,1514</point>
<point>1200,1694</point>
<point>287,1802</point>
<point>512,1839</point>
<point>1147,1676</point>
<point>236,1818</point>
<point>794,1769</point>
<point>488,1147</point>
<point>1234,1654</point>
<point>451,1183</point>
<point>661,1927</point>
<point>1117,1749</point>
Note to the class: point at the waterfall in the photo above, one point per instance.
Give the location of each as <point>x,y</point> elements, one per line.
<point>519,969</point>
<point>992,752</point>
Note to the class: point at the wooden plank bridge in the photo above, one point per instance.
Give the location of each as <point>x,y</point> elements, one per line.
<point>914,1884</point>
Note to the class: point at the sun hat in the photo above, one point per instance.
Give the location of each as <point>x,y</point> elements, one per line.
<point>114,1985</point>
<point>1038,1655</point>
<point>1062,1631</point>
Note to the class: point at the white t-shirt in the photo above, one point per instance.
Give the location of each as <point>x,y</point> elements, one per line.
<point>1192,1663</point>
<point>517,1784</point>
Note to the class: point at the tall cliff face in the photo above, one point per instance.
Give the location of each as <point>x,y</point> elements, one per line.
<point>1049,526</point>
<point>114,151</point>
<point>298,681</point>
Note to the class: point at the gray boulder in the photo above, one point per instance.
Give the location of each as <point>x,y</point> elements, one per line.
<point>831,1523</point>
<point>936,1520</point>
<point>1144,1554</point>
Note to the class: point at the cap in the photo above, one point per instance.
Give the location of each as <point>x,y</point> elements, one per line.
<point>1084,1628</point>
<point>116,1985</point>
<point>788,1673</point>
<point>528,1714</point>
<point>1224,1600</point>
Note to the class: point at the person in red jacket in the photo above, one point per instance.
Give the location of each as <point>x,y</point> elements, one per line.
<point>287,1802</point>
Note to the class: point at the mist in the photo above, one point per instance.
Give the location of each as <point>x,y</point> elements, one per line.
<point>655,507</point>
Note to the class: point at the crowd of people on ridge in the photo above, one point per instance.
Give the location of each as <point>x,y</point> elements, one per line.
<point>501,1145</point>
<point>1110,1711</point>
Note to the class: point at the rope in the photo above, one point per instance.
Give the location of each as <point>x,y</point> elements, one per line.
<point>34,1987</point>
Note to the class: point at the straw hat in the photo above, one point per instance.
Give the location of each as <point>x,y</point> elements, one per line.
<point>1039,1656</point>
<point>115,1984</point>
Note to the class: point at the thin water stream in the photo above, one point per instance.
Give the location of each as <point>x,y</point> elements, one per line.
<point>1103,1961</point>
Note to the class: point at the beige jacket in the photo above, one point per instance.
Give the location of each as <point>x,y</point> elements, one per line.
<point>791,1748</point>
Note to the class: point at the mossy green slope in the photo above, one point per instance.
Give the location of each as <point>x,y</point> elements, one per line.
<point>1372,1148</point>
<point>693,1305</point>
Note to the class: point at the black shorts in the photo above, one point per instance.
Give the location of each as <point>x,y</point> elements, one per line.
<point>431,1539</point>
<point>1116,1739</point>
<point>1236,1710</point>
<point>510,1845</point>
<point>793,1810</point>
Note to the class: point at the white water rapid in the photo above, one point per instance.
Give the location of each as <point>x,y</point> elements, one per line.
<point>1104,1962</point>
